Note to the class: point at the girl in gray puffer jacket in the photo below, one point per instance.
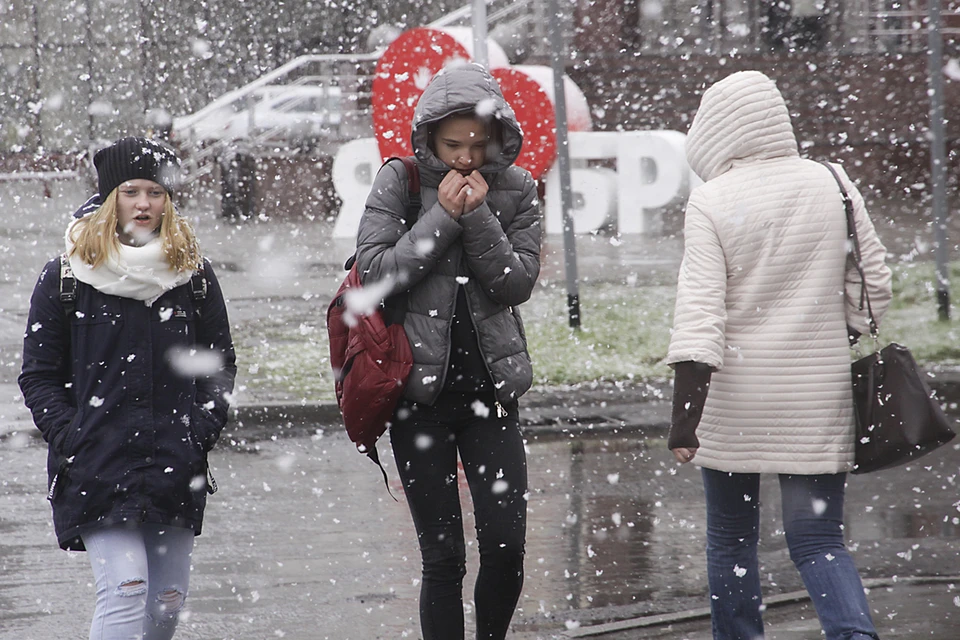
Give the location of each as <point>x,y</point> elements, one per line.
<point>470,258</point>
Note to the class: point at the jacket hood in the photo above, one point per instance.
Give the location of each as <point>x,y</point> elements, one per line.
<point>465,88</point>
<point>741,118</point>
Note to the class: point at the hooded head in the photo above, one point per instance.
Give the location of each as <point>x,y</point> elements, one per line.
<point>133,158</point>
<point>466,89</point>
<point>741,118</point>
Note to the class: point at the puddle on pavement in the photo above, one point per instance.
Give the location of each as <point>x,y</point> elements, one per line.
<point>303,533</point>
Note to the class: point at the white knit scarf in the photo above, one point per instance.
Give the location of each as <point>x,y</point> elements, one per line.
<point>141,273</point>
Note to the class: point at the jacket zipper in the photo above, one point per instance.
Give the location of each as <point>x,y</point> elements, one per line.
<point>501,412</point>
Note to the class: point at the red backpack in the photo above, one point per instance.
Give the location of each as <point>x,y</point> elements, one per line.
<point>370,355</point>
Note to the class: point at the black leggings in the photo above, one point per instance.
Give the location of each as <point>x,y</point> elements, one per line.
<point>425,443</point>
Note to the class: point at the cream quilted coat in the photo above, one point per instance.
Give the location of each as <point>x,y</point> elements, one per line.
<point>765,292</point>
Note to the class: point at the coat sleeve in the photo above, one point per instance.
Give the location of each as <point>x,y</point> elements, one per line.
<point>876,274</point>
<point>213,333</point>
<point>45,375</point>
<point>691,385</point>
<point>386,247</point>
<point>700,314</point>
<point>506,261</point>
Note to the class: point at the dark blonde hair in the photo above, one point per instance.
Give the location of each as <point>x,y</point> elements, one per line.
<point>94,237</point>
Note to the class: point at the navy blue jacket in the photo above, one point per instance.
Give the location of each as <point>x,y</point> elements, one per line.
<point>128,434</point>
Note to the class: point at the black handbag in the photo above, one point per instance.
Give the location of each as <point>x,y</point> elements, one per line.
<point>898,417</point>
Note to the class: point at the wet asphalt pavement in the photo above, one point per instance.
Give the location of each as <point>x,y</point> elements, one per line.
<point>304,542</point>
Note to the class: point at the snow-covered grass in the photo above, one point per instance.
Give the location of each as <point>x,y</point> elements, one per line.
<point>912,319</point>
<point>625,330</point>
<point>623,335</point>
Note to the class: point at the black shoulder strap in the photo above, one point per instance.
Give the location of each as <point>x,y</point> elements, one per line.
<point>853,248</point>
<point>198,284</point>
<point>68,287</point>
<point>198,289</point>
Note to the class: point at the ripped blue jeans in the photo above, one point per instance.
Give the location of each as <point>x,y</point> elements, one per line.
<point>142,575</point>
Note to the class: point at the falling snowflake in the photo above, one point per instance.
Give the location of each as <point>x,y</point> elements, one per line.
<point>96,402</point>
<point>486,107</point>
<point>480,409</point>
<point>425,246</point>
<point>198,483</point>
<point>193,363</point>
<point>423,442</point>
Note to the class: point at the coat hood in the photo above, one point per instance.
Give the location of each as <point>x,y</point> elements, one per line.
<point>465,88</point>
<point>741,118</point>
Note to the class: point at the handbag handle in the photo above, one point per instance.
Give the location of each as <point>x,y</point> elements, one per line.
<point>854,248</point>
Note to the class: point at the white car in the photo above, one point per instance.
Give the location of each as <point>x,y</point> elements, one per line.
<point>293,113</point>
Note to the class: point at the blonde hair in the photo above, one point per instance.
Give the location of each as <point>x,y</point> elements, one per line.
<point>95,238</point>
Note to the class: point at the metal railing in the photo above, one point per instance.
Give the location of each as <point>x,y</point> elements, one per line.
<point>519,26</point>
<point>901,25</point>
<point>674,27</point>
<point>351,75</point>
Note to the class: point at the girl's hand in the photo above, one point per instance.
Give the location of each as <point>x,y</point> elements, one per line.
<point>684,454</point>
<point>476,191</point>
<point>452,193</point>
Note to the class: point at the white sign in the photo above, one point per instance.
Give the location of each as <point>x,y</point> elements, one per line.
<point>354,167</point>
<point>651,172</point>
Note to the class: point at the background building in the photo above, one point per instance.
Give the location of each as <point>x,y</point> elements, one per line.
<point>855,73</point>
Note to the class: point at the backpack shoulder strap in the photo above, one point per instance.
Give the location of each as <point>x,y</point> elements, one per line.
<point>68,287</point>
<point>413,197</point>
<point>413,187</point>
<point>198,284</point>
<point>198,289</point>
<point>413,173</point>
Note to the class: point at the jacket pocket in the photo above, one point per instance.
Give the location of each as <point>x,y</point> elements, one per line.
<point>201,434</point>
<point>56,482</point>
<point>202,429</point>
<point>64,443</point>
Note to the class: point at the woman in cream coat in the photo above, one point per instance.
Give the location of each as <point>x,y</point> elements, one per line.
<point>766,301</point>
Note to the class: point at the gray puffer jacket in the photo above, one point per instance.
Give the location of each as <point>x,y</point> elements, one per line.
<point>492,251</point>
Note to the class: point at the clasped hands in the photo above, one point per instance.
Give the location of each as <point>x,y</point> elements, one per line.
<point>459,194</point>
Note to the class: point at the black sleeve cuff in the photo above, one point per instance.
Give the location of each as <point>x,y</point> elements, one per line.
<point>690,387</point>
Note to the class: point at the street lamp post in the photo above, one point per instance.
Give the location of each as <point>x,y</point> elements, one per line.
<point>557,58</point>
<point>938,161</point>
